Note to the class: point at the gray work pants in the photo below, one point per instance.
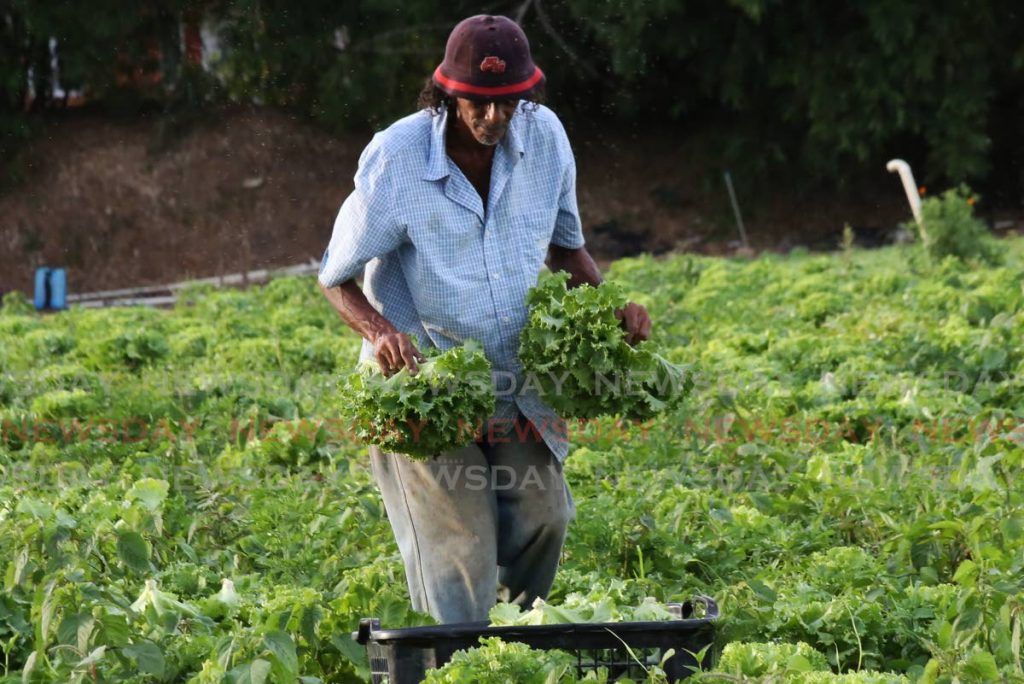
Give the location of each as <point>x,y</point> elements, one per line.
<point>476,525</point>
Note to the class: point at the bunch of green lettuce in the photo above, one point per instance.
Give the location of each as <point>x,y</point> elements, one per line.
<point>440,408</point>
<point>578,608</point>
<point>573,347</point>
<point>499,662</point>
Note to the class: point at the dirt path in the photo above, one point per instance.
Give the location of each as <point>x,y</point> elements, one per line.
<point>258,189</point>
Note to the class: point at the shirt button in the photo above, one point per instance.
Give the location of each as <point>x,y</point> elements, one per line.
<point>505,319</point>
<point>495,276</point>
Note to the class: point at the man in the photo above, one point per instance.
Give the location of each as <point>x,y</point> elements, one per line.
<point>455,210</point>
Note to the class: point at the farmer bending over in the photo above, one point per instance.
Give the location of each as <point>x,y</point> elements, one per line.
<point>454,212</point>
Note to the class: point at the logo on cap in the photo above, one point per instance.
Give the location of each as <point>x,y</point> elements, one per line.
<point>493,64</point>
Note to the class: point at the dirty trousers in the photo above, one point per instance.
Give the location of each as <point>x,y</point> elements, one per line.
<point>476,525</point>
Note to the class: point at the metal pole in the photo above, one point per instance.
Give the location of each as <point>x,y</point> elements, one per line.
<point>736,209</point>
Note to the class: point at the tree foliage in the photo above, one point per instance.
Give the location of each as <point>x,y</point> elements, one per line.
<point>817,86</point>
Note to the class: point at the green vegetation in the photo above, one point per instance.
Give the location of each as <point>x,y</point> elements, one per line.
<point>442,407</point>
<point>951,229</point>
<point>796,85</point>
<point>573,347</point>
<point>797,662</point>
<point>758,660</point>
<point>843,475</point>
<point>497,662</point>
<point>601,605</point>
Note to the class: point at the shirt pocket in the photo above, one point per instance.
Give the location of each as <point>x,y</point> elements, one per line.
<point>533,234</point>
<point>447,233</point>
<point>447,254</point>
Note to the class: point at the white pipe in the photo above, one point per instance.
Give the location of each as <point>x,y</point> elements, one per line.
<point>909,186</point>
<point>261,275</point>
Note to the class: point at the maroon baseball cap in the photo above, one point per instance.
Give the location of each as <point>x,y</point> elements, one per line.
<point>488,57</point>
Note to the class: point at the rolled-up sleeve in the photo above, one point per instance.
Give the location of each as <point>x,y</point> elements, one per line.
<point>366,226</point>
<point>568,227</point>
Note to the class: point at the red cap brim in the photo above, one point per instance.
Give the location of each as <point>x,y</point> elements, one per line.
<point>470,91</point>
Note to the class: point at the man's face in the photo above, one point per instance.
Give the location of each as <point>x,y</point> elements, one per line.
<point>487,121</point>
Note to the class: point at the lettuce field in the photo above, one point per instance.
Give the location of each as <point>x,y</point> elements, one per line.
<point>180,503</point>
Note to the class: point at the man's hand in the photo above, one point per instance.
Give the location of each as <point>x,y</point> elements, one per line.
<point>394,351</point>
<point>635,321</point>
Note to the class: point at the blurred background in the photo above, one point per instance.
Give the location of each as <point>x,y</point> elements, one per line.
<point>150,142</point>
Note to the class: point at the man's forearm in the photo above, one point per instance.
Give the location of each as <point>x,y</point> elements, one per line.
<point>577,262</point>
<point>351,304</point>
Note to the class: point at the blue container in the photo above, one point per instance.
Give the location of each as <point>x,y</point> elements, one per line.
<point>58,289</point>
<point>51,289</point>
<point>42,298</point>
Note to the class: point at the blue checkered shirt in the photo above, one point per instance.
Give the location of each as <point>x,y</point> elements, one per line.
<point>441,266</point>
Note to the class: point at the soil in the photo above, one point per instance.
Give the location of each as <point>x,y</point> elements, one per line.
<point>119,205</point>
<point>106,201</point>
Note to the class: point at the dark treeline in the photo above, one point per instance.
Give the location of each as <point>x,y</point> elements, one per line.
<point>823,89</point>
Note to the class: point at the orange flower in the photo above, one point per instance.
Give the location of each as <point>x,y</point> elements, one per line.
<point>921,190</point>
<point>971,200</point>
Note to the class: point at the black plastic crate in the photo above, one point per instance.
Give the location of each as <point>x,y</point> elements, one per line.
<point>402,656</point>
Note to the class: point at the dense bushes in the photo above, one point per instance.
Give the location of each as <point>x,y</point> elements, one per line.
<point>796,82</point>
<point>949,228</point>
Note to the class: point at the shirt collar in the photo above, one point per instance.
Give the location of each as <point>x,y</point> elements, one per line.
<point>513,140</point>
<point>437,161</point>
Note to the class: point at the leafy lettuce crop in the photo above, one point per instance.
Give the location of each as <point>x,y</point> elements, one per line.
<point>440,408</point>
<point>578,608</point>
<point>849,480</point>
<point>574,349</point>
<point>797,662</point>
<point>498,662</point>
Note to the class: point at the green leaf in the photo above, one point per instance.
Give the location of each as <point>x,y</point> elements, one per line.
<point>114,630</point>
<point>133,550</point>
<point>981,667</point>
<point>799,663</point>
<point>16,571</point>
<point>259,671</point>
<point>43,606</point>
<point>37,509</point>
<point>95,656</point>
<point>75,630</point>
<point>504,614</point>
<point>150,493</point>
<point>282,655</point>
<point>311,616</point>
<point>351,650</point>
<point>966,574</point>
<point>256,672</point>
<point>29,668</point>
<point>148,657</point>
<point>762,590</point>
